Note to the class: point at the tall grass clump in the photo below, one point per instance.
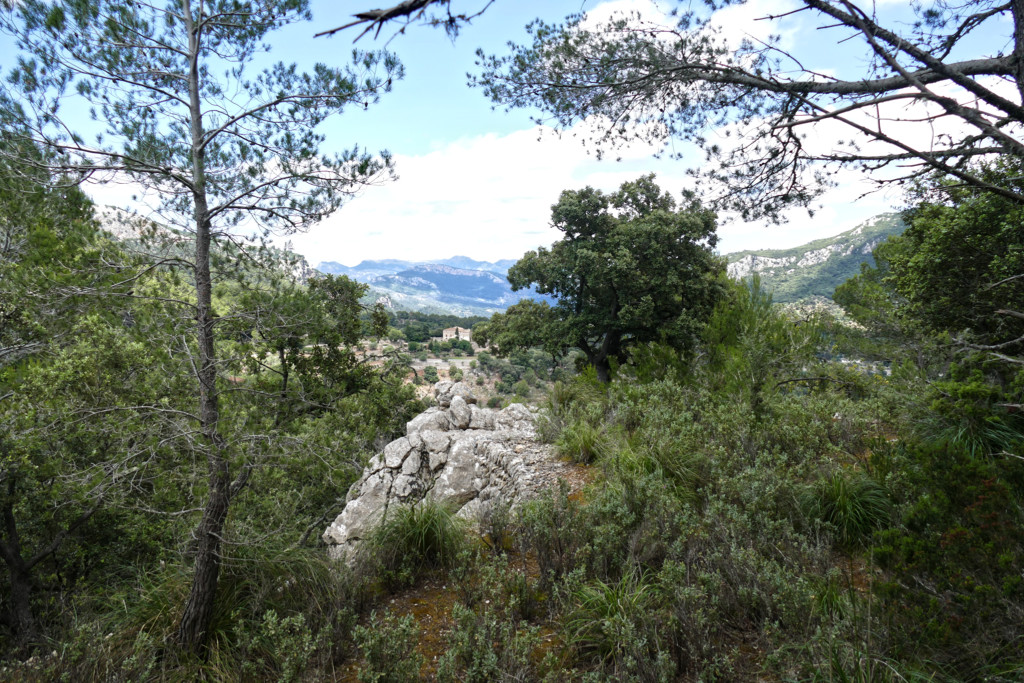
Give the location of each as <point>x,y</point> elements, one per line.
<point>584,443</point>
<point>580,399</point>
<point>416,538</point>
<point>852,504</point>
<point>616,624</point>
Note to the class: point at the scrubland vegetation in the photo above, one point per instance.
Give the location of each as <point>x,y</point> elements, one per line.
<point>759,510</point>
<point>780,498</point>
<point>772,498</point>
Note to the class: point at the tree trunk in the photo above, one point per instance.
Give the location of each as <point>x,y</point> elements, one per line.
<point>195,620</point>
<point>22,619</point>
<point>1017,8</point>
<point>279,417</point>
<point>24,622</point>
<point>599,359</point>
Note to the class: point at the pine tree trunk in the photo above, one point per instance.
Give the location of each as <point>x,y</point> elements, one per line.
<point>195,620</point>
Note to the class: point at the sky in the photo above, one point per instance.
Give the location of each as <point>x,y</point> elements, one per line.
<point>478,181</point>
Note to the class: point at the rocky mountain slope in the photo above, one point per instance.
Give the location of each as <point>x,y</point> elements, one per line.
<point>815,269</point>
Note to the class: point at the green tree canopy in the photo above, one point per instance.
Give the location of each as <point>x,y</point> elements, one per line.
<point>960,263</point>
<point>957,272</point>
<point>633,267</point>
<point>958,268</point>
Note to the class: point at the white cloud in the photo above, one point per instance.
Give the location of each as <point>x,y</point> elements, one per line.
<point>749,21</point>
<point>488,197</point>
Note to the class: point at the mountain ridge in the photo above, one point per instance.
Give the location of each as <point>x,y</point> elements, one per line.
<point>811,270</point>
<point>465,286</point>
<point>816,268</point>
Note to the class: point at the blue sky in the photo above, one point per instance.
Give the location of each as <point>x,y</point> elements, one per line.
<point>480,182</point>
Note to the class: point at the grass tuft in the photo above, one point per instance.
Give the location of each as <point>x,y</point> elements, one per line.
<point>854,505</point>
<point>415,538</point>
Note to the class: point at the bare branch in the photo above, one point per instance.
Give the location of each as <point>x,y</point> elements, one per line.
<point>409,11</point>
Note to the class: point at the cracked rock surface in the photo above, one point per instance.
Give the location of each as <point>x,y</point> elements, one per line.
<point>456,453</point>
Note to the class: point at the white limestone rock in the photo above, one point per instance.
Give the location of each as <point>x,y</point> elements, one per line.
<point>460,413</point>
<point>456,453</point>
<point>433,418</point>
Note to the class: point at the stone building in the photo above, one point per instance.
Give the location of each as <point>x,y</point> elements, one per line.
<point>457,333</point>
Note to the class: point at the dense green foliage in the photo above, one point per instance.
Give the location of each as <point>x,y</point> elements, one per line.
<point>759,509</point>
<point>632,268</point>
<point>97,407</point>
<point>770,498</point>
<point>958,266</point>
<point>955,278</point>
<point>183,105</point>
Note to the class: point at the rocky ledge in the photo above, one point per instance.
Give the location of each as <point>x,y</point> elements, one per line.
<point>456,453</point>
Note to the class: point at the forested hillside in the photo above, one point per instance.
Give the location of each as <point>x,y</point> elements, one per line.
<point>818,267</point>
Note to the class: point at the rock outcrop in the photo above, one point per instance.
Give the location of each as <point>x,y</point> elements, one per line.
<point>457,454</point>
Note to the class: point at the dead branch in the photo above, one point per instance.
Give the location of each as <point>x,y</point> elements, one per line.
<point>410,11</point>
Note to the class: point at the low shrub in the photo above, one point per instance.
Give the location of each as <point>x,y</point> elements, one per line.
<point>487,646</point>
<point>388,647</point>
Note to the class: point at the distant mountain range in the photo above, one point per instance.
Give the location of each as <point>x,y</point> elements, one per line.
<point>458,285</point>
<point>392,266</point>
<point>464,286</point>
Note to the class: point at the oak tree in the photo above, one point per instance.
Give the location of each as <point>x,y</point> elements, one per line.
<point>633,267</point>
